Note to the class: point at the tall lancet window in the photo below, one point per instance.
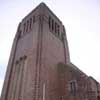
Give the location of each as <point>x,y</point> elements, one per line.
<point>73,87</point>
<point>50,22</point>
<point>18,79</point>
<point>44,91</point>
<point>30,26</point>
<point>21,76</point>
<point>15,79</point>
<point>23,80</point>
<point>16,71</point>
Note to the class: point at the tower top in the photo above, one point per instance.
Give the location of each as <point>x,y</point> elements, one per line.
<point>42,3</point>
<point>40,7</point>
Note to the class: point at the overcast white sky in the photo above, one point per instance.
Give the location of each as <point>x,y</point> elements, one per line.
<point>81,19</point>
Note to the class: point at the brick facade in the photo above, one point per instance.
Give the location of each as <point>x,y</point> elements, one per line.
<point>39,67</point>
<point>86,88</point>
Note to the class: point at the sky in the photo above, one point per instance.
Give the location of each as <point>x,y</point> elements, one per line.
<point>82,22</point>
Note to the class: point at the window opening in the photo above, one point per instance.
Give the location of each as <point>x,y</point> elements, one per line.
<point>24,28</point>
<point>73,87</point>
<point>27,25</point>
<point>30,23</point>
<point>52,25</point>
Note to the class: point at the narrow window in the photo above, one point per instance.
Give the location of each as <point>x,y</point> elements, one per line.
<point>52,25</point>
<point>33,19</point>
<point>16,79</point>
<point>27,26</point>
<point>49,22</point>
<point>24,28</point>
<point>20,33</point>
<point>55,27</point>
<point>73,87</point>
<point>30,23</point>
<point>21,76</point>
<point>58,30</point>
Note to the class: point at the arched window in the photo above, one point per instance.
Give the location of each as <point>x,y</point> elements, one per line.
<point>73,87</point>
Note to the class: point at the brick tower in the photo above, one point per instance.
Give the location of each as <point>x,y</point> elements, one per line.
<point>39,45</point>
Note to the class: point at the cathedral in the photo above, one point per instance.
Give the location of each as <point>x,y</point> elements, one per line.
<point>39,66</point>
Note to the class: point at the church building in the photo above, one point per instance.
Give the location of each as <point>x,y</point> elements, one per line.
<point>39,66</point>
